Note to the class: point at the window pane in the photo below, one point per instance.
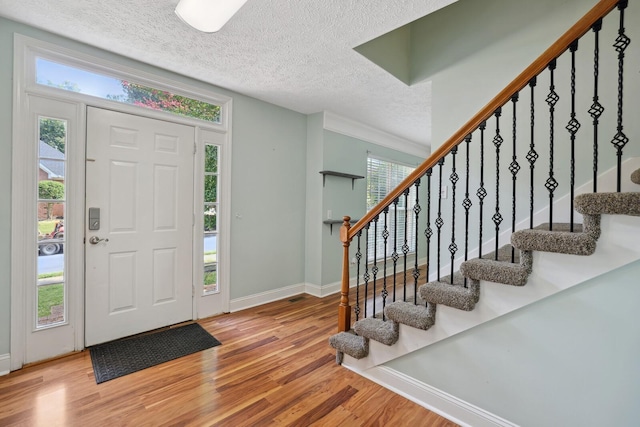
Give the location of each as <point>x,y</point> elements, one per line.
<point>210,263</point>
<point>211,158</point>
<point>210,218</point>
<point>211,188</point>
<point>50,284</point>
<point>65,77</point>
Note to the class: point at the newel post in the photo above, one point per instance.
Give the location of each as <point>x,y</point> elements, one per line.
<point>344,309</point>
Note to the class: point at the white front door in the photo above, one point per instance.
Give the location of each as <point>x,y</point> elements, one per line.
<point>138,253</point>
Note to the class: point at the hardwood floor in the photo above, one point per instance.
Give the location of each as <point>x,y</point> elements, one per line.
<point>274,367</point>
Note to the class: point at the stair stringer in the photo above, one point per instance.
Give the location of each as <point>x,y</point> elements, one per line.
<point>617,246</point>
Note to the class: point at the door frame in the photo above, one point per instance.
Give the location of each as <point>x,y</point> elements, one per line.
<point>23,253</point>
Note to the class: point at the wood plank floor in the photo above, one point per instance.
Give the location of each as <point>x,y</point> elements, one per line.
<point>274,367</point>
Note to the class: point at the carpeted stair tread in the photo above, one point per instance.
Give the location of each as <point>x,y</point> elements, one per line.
<point>407,313</point>
<point>458,279</point>
<point>499,271</point>
<point>554,241</point>
<point>560,226</point>
<point>608,203</point>
<point>504,255</point>
<point>349,343</point>
<point>635,176</point>
<point>456,296</point>
<point>385,332</point>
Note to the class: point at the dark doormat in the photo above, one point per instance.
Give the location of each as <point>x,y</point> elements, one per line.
<point>119,358</point>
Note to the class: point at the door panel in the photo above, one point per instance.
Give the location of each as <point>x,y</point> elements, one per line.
<point>139,273</point>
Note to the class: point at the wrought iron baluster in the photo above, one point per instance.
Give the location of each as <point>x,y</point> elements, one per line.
<point>416,271</point>
<point>439,221</point>
<point>374,267</point>
<point>385,237</point>
<point>532,155</point>
<point>358,259</point>
<point>551,184</point>
<point>395,256</point>
<point>514,168</point>
<point>466,204</point>
<point>497,142</point>
<point>428,232</point>
<point>405,245</point>
<point>573,126</point>
<point>482,192</point>
<point>596,109</point>
<point>621,43</point>
<point>366,276</point>
<point>453,178</point>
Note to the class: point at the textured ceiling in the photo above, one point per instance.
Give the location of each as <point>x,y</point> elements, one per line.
<point>294,53</point>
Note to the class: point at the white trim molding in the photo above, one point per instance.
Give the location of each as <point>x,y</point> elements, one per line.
<point>255,300</point>
<point>352,128</point>
<point>5,364</point>
<point>435,400</point>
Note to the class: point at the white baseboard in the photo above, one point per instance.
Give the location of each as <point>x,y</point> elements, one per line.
<point>266,297</point>
<point>5,364</point>
<point>435,400</point>
<point>322,291</point>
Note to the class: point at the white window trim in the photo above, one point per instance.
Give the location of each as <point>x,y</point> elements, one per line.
<point>22,261</point>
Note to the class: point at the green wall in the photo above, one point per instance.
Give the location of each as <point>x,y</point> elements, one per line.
<point>471,50</point>
<point>568,360</point>
<point>268,181</point>
<point>349,155</point>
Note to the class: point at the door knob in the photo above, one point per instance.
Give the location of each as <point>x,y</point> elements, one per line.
<point>94,240</point>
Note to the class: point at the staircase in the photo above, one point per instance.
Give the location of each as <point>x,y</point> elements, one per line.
<point>581,242</point>
<point>477,286</point>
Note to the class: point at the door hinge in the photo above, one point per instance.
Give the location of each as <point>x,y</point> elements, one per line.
<point>195,148</point>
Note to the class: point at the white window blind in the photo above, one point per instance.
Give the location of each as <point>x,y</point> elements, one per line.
<point>382,177</point>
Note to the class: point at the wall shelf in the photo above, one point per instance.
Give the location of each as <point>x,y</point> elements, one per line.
<point>330,222</point>
<point>342,175</point>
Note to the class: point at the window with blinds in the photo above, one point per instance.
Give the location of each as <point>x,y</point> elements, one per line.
<point>382,177</point>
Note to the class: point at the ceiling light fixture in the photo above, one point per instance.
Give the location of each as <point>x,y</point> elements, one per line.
<point>207,15</point>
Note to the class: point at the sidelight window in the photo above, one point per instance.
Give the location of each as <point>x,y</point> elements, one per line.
<point>51,289</point>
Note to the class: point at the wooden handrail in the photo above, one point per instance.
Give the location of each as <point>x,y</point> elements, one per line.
<point>562,44</point>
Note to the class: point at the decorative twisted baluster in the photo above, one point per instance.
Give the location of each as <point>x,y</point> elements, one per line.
<point>395,256</point>
<point>514,168</point>
<point>551,184</point>
<point>366,276</point>
<point>596,109</point>
<point>374,267</point>
<point>358,259</point>
<point>482,192</point>
<point>428,232</point>
<point>385,237</point>
<point>532,155</point>
<point>466,204</point>
<point>573,126</point>
<point>416,271</point>
<point>620,139</point>
<point>439,220</point>
<point>497,142</point>
<point>453,178</point>
<point>405,245</point>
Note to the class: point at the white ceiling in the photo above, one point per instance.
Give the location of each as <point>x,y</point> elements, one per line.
<point>294,53</point>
